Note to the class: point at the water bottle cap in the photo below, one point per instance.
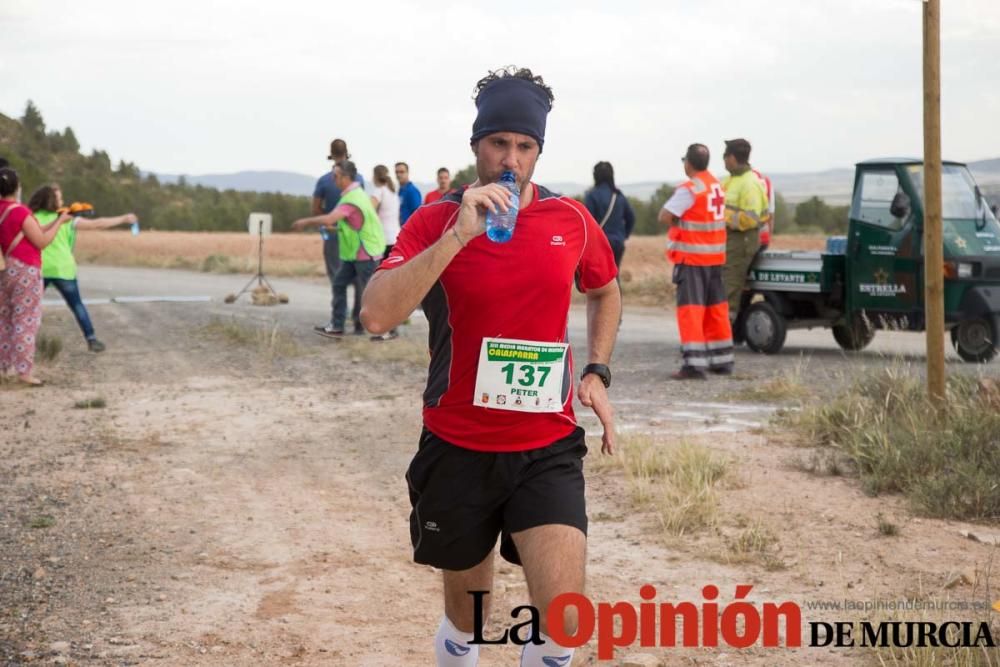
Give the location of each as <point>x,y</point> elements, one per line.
<point>508,176</point>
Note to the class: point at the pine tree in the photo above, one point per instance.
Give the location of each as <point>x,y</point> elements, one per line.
<point>32,120</point>
<point>70,142</point>
<point>100,161</point>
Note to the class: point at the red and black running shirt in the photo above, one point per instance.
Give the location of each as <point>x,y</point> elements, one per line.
<point>519,289</point>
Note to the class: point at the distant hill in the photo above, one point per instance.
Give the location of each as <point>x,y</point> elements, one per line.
<point>832,185</point>
<point>986,166</point>
<point>835,185</point>
<point>286,182</point>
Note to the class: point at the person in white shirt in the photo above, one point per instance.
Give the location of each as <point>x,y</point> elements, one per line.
<point>386,202</point>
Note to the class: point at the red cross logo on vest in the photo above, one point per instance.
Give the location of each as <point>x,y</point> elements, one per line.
<point>717,201</point>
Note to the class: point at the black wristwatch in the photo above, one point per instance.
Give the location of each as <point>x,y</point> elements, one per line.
<point>600,370</point>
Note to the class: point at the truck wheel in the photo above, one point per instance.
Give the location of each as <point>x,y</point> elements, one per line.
<point>764,328</point>
<point>974,340</point>
<point>854,337</point>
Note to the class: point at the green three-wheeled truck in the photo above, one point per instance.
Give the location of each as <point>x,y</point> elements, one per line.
<point>874,277</point>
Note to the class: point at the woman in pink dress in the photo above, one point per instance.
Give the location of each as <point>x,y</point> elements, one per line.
<point>21,243</point>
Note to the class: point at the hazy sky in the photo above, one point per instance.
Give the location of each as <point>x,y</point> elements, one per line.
<point>223,85</point>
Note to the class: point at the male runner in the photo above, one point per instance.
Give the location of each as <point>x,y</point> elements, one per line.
<point>500,453</point>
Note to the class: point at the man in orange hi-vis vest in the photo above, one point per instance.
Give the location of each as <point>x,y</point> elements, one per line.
<point>696,245</point>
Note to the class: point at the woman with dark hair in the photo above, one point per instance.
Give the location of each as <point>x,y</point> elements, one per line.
<point>386,203</point>
<point>22,239</point>
<point>611,209</point>
<point>58,263</point>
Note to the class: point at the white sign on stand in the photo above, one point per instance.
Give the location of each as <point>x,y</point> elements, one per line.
<point>259,223</point>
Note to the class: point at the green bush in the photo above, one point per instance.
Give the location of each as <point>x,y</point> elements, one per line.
<point>218,264</point>
<point>48,348</point>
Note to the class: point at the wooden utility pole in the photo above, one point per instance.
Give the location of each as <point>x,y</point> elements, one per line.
<point>933,242</point>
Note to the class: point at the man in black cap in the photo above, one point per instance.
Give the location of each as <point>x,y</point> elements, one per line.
<point>501,454</point>
<point>746,210</point>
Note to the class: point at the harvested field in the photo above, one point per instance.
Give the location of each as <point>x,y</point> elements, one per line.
<point>213,252</point>
<point>645,275</point>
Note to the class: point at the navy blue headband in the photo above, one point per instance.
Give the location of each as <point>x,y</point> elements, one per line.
<point>512,105</point>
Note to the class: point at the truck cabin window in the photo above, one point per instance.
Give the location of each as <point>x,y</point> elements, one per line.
<point>877,200</point>
<point>959,200</point>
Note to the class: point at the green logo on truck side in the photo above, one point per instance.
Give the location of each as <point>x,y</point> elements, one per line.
<point>789,277</point>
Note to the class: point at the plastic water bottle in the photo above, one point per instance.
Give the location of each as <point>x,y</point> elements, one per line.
<point>500,225</point>
<point>135,228</point>
<point>323,234</point>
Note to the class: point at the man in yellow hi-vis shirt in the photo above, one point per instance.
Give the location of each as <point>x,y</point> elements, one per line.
<point>746,207</point>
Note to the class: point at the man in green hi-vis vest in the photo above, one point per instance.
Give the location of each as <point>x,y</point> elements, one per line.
<point>362,243</point>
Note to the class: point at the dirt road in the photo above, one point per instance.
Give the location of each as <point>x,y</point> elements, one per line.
<point>240,499</point>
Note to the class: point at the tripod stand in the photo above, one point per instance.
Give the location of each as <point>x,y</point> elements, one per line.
<point>262,283</point>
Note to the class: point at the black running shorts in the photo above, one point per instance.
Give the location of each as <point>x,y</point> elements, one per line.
<point>463,499</point>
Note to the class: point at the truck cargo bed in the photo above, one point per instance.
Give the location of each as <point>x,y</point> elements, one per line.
<point>786,271</point>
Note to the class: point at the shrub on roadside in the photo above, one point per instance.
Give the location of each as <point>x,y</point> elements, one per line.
<point>218,264</point>
<point>945,460</point>
<point>269,341</point>
<point>48,348</point>
<point>678,481</point>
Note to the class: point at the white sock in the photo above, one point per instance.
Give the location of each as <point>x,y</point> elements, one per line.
<point>549,654</point>
<point>452,648</point>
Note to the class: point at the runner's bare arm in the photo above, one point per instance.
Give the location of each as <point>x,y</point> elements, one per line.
<point>392,295</point>
<point>604,307</point>
<point>325,220</point>
<point>84,224</point>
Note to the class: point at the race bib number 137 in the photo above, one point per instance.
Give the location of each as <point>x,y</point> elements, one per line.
<point>521,375</point>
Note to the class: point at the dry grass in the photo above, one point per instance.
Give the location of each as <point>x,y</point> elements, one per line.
<point>689,499</point>
<point>824,463</point>
<point>937,656</point>
<point>270,342</point>
<point>91,404</point>
<point>943,460</point>
<point>886,527</point>
<point>216,252</point>
<point>645,462</point>
<point>679,482</point>
<point>786,386</point>
<point>42,521</point>
<point>47,348</point>
<point>402,349</point>
<point>755,543</point>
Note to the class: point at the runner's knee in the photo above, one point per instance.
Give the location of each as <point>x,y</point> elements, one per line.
<point>459,607</point>
<point>570,619</point>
